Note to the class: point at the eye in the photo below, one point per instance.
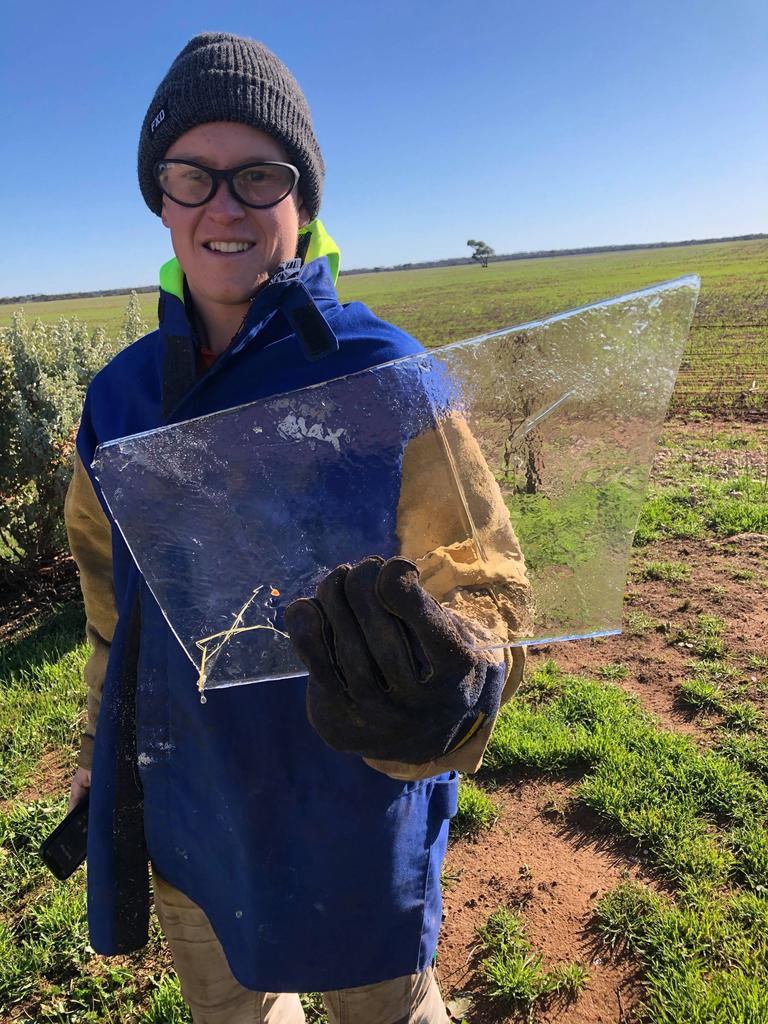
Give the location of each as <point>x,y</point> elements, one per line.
<point>255,175</point>
<point>180,172</point>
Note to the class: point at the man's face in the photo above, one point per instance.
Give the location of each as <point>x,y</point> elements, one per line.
<point>230,279</point>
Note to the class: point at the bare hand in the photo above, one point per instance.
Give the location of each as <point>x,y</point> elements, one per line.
<point>81,783</point>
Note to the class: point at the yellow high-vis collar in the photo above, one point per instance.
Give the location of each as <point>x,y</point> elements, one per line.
<point>320,244</point>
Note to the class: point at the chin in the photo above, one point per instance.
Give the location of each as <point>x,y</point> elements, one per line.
<point>237,295</point>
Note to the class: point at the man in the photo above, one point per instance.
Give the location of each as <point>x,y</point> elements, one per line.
<point>295,830</point>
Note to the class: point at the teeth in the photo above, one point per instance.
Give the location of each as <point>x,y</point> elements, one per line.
<point>229,246</point>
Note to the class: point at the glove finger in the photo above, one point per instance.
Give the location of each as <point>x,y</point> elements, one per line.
<point>362,679</point>
<point>312,639</point>
<point>329,709</point>
<point>438,633</point>
<point>384,634</point>
<point>311,636</point>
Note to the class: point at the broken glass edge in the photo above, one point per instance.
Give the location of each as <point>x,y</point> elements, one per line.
<point>538,642</point>
<point>692,281</point>
<point>151,590</point>
<point>228,684</point>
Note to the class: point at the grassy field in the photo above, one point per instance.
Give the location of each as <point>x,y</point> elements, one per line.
<point>100,311</point>
<point>661,735</point>
<point>697,810</point>
<point>727,355</point>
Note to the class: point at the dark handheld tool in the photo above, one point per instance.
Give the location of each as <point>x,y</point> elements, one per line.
<point>65,848</point>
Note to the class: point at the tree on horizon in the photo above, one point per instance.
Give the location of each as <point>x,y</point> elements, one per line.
<point>482,251</point>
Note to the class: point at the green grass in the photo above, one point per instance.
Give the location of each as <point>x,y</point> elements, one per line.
<point>668,572</point>
<point>613,670</point>
<point>48,973</point>
<point>703,637</point>
<point>706,959</point>
<point>105,311</point>
<point>638,623</point>
<point>691,511</point>
<point>714,671</point>
<point>669,513</point>
<point>702,694</point>
<point>447,304</point>
<point>742,716</point>
<point>46,964</point>
<point>751,752</point>
<point>656,787</point>
<point>742,575</point>
<point>477,811</point>
<point>514,973</point>
<point>565,532</point>
<point>698,815</point>
<point>716,685</point>
<point>728,440</point>
<point>41,696</point>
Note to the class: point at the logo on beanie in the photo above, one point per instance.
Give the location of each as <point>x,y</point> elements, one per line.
<point>157,120</point>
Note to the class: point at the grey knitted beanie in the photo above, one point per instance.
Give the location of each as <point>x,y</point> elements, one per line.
<point>221,77</point>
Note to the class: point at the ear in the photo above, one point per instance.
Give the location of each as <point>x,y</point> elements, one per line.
<point>163,215</point>
<point>304,217</point>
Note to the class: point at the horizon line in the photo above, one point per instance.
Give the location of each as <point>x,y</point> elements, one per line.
<point>420,265</point>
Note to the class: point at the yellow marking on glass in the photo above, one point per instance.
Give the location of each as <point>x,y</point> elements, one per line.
<point>226,635</point>
<point>201,677</point>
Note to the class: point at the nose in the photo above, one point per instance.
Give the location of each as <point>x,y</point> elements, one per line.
<point>223,205</point>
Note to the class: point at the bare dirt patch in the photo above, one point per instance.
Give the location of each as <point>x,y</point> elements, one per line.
<point>728,578</point>
<point>554,867</point>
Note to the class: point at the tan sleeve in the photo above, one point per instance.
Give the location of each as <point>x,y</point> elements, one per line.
<point>90,541</point>
<point>478,571</point>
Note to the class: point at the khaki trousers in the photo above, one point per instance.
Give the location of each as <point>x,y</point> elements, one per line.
<point>216,997</point>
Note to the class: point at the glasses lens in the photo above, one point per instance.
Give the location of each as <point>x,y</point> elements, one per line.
<point>183,182</point>
<point>264,184</point>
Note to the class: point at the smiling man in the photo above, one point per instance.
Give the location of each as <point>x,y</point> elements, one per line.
<point>295,829</point>
<point>228,249</point>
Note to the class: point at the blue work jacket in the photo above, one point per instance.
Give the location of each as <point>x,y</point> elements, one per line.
<point>316,871</point>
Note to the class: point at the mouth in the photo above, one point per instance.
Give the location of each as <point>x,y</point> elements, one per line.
<point>228,248</point>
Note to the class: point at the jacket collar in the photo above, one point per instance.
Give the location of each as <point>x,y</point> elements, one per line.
<point>315,277</point>
<point>292,302</point>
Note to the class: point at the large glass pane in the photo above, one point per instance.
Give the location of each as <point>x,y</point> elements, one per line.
<point>541,434</point>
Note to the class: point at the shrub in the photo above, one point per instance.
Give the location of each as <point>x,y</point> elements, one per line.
<point>44,372</point>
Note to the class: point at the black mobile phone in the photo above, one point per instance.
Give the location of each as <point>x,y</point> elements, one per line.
<point>64,849</point>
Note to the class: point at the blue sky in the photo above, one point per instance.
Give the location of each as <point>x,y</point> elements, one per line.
<point>530,125</point>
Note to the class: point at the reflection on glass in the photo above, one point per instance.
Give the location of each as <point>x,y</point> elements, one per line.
<point>511,467</point>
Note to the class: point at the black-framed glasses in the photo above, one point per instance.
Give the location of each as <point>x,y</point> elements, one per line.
<point>259,185</point>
